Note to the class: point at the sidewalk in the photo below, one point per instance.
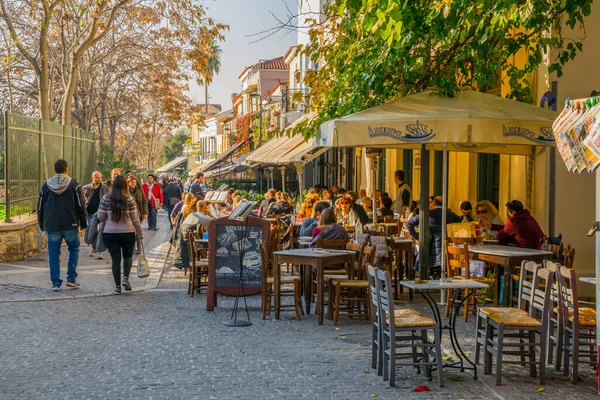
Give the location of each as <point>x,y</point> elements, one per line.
<point>29,280</point>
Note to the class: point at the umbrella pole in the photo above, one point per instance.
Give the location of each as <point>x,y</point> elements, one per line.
<point>424,216</point>
<point>444,216</point>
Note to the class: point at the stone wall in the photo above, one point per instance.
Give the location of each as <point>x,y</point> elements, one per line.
<point>21,239</point>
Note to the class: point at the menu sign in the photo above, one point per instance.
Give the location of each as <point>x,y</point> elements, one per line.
<point>234,245</point>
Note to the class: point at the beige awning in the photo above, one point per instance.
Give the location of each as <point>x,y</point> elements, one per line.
<point>471,121</point>
<point>261,154</point>
<point>305,152</point>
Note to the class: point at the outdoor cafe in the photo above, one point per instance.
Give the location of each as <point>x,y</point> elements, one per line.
<point>523,299</point>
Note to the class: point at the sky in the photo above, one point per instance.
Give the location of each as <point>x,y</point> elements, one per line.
<point>245,18</point>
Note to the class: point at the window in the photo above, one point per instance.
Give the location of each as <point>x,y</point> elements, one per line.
<point>488,178</point>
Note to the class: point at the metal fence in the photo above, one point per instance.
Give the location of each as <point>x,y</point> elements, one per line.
<point>29,147</point>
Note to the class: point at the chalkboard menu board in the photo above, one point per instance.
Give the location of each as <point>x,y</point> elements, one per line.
<point>228,241</point>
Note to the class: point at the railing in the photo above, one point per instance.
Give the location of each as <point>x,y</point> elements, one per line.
<point>27,155</point>
<point>294,100</point>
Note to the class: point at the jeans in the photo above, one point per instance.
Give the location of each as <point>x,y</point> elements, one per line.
<point>55,239</point>
<point>151,217</point>
<point>117,244</point>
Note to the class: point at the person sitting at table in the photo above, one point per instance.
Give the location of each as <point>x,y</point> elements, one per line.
<point>521,228</point>
<point>435,233</point>
<point>264,205</point>
<point>466,211</point>
<point>345,215</point>
<point>306,209</point>
<point>360,212</point>
<point>309,224</point>
<point>488,216</point>
<point>188,199</point>
<point>362,194</point>
<point>199,217</point>
<point>328,228</point>
<point>279,207</point>
<point>367,205</point>
<point>189,219</point>
<point>326,195</point>
<point>385,208</point>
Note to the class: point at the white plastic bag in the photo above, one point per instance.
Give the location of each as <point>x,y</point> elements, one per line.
<point>143,267</point>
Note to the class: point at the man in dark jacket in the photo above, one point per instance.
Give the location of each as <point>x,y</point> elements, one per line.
<point>61,212</point>
<point>172,195</point>
<point>521,228</point>
<point>92,194</point>
<point>196,188</point>
<point>435,233</point>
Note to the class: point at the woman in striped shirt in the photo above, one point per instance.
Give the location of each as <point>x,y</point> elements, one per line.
<point>122,222</point>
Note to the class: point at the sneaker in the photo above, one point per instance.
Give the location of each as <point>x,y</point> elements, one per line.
<point>73,284</point>
<point>126,285</point>
<point>93,254</point>
<point>56,288</point>
<point>99,256</point>
<point>117,290</point>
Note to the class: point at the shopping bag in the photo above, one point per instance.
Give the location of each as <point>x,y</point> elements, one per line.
<point>91,233</point>
<point>100,246</point>
<point>143,267</point>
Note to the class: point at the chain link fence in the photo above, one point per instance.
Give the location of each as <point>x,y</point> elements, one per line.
<point>28,149</point>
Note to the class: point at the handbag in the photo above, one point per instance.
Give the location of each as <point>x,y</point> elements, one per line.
<point>143,267</point>
<point>100,246</point>
<point>91,232</point>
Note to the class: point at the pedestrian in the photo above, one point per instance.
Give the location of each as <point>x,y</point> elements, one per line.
<point>61,212</point>
<point>196,188</point>
<point>92,193</point>
<point>138,195</point>
<point>122,223</point>
<point>155,199</point>
<point>114,172</point>
<point>172,195</point>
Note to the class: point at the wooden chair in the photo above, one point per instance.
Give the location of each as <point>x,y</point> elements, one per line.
<point>525,327</point>
<point>198,277</point>
<point>528,270</point>
<point>408,331</point>
<point>579,325</point>
<point>569,257</point>
<point>388,219</point>
<point>268,289</point>
<point>350,297</point>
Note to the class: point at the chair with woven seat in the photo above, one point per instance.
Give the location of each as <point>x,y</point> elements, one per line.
<point>528,270</point>
<point>268,286</point>
<point>530,331</point>
<point>579,325</point>
<point>198,277</point>
<point>346,296</point>
<point>336,244</point>
<point>407,331</point>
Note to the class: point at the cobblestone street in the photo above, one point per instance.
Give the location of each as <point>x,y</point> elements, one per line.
<point>161,344</point>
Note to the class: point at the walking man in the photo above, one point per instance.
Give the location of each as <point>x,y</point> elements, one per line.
<point>172,195</point>
<point>92,193</point>
<point>153,193</point>
<point>61,212</point>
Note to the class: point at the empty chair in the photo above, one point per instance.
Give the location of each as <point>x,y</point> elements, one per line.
<point>530,331</point>
<point>405,331</point>
<point>579,325</point>
<point>198,277</point>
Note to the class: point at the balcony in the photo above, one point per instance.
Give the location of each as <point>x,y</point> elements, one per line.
<point>294,100</point>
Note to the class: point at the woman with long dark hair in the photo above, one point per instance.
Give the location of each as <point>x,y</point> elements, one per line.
<point>119,211</point>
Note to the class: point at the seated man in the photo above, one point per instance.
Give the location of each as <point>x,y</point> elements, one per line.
<point>309,224</point>
<point>521,228</point>
<point>385,209</point>
<point>435,233</point>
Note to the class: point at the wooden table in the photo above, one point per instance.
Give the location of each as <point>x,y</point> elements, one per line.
<point>401,245</point>
<point>318,258</point>
<point>424,289</point>
<point>506,257</point>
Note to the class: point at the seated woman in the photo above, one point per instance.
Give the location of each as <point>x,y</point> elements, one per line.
<point>326,196</point>
<point>281,206</point>
<point>181,257</point>
<point>345,214</point>
<point>488,216</point>
<point>328,229</point>
<point>306,209</point>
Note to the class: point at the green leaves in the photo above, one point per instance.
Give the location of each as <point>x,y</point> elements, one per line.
<point>378,50</point>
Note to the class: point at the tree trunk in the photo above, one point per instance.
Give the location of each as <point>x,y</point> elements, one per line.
<point>206,95</point>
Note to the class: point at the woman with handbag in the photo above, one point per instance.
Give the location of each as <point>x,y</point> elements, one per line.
<point>119,212</point>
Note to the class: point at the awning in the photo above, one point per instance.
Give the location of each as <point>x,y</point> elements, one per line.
<point>264,154</point>
<point>471,121</point>
<point>304,153</point>
<point>224,169</point>
<point>212,164</point>
<point>172,165</point>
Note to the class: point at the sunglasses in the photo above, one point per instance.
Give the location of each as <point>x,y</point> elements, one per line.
<point>481,212</point>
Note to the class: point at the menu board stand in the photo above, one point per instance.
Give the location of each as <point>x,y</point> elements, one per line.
<point>235,267</point>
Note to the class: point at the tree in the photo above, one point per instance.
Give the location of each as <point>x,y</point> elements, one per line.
<point>173,147</point>
<point>370,52</point>
<point>213,68</point>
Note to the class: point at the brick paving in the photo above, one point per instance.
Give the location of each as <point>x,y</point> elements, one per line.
<point>161,344</point>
